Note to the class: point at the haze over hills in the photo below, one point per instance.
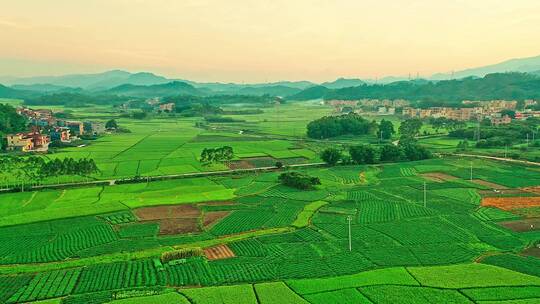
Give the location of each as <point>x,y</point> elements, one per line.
<point>145,84</point>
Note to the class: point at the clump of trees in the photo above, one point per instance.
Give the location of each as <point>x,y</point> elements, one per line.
<point>211,155</point>
<point>332,126</point>
<point>298,180</point>
<point>111,124</point>
<point>10,121</point>
<point>498,136</point>
<point>406,150</point>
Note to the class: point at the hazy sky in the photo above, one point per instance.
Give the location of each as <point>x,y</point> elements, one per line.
<point>264,40</point>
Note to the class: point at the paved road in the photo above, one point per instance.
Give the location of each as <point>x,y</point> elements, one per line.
<point>163,177</point>
<point>525,162</point>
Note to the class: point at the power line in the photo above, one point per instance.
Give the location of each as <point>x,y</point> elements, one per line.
<point>349,218</point>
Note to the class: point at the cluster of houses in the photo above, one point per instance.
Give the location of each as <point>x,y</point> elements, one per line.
<point>481,110</point>
<point>382,106</point>
<point>151,104</point>
<point>45,128</point>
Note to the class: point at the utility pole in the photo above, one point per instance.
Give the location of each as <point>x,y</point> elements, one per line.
<point>471,171</point>
<point>425,195</point>
<point>527,139</point>
<point>505,150</point>
<point>349,218</point>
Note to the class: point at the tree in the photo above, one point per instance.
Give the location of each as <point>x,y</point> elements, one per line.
<point>331,156</point>
<point>413,151</point>
<point>111,125</point>
<point>140,115</point>
<point>279,165</point>
<point>510,113</point>
<point>386,129</point>
<point>10,121</point>
<point>363,154</point>
<point>410,127</point>
<point>390,153</point>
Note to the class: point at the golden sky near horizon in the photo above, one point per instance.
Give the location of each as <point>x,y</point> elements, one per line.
<point>257,41</point>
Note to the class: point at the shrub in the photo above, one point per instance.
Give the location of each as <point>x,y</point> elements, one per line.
<point>180,254</point>
<point>298,180</point>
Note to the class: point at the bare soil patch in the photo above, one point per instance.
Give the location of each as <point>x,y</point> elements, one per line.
<point>510,203</point>
<point>488,184</point>
<point>532,251</point>
<point>217,203</point>
<point>535,189</point>
<point>240,164</point>
<point>438,177</point>
<point>167,212</point>
<point>522,225</point>
<point>178,226</point>
<point>496,192</point>
<point>218,252</point>
<point>210,218</point>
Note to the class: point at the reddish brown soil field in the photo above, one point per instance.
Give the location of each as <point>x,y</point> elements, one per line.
<point>218,252</point>
<point>522,225</point>
<point>509,203</point>
<point>167,212</point>
<point>438,177</point>
<point>178,226</point>
<point>210,218</point>
<point>488,184</point>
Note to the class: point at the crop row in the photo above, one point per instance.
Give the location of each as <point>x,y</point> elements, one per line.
<point>47,285</point>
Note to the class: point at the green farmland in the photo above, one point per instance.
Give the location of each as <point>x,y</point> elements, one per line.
<point>104,244</point>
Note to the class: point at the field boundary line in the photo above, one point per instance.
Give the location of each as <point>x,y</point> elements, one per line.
<point>526,162</point>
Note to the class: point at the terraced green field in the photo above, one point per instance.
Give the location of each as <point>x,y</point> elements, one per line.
<point>98,244</point>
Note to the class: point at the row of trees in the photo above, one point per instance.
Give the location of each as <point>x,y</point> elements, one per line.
<point>348,124</point>
<point>366,154</point>
<point>211,155</point>
<point>35,169</point>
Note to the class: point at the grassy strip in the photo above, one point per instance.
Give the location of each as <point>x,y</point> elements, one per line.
<point>127,256</point>
<point>303,218</point>
<point>233,238</point>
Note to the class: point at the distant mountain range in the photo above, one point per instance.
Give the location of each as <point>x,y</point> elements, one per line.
<point>523,65</point>
<point>144,84</point>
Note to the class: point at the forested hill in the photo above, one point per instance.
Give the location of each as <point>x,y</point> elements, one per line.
<point>517,86</point>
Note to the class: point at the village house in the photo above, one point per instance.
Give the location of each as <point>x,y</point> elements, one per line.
<point>60,134</point>
<point>94,128</point>
<point>76,127</point>
<point>28,142</point>
<point>461,114</point>
<point>167,107</point>
<point>498,119</point>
